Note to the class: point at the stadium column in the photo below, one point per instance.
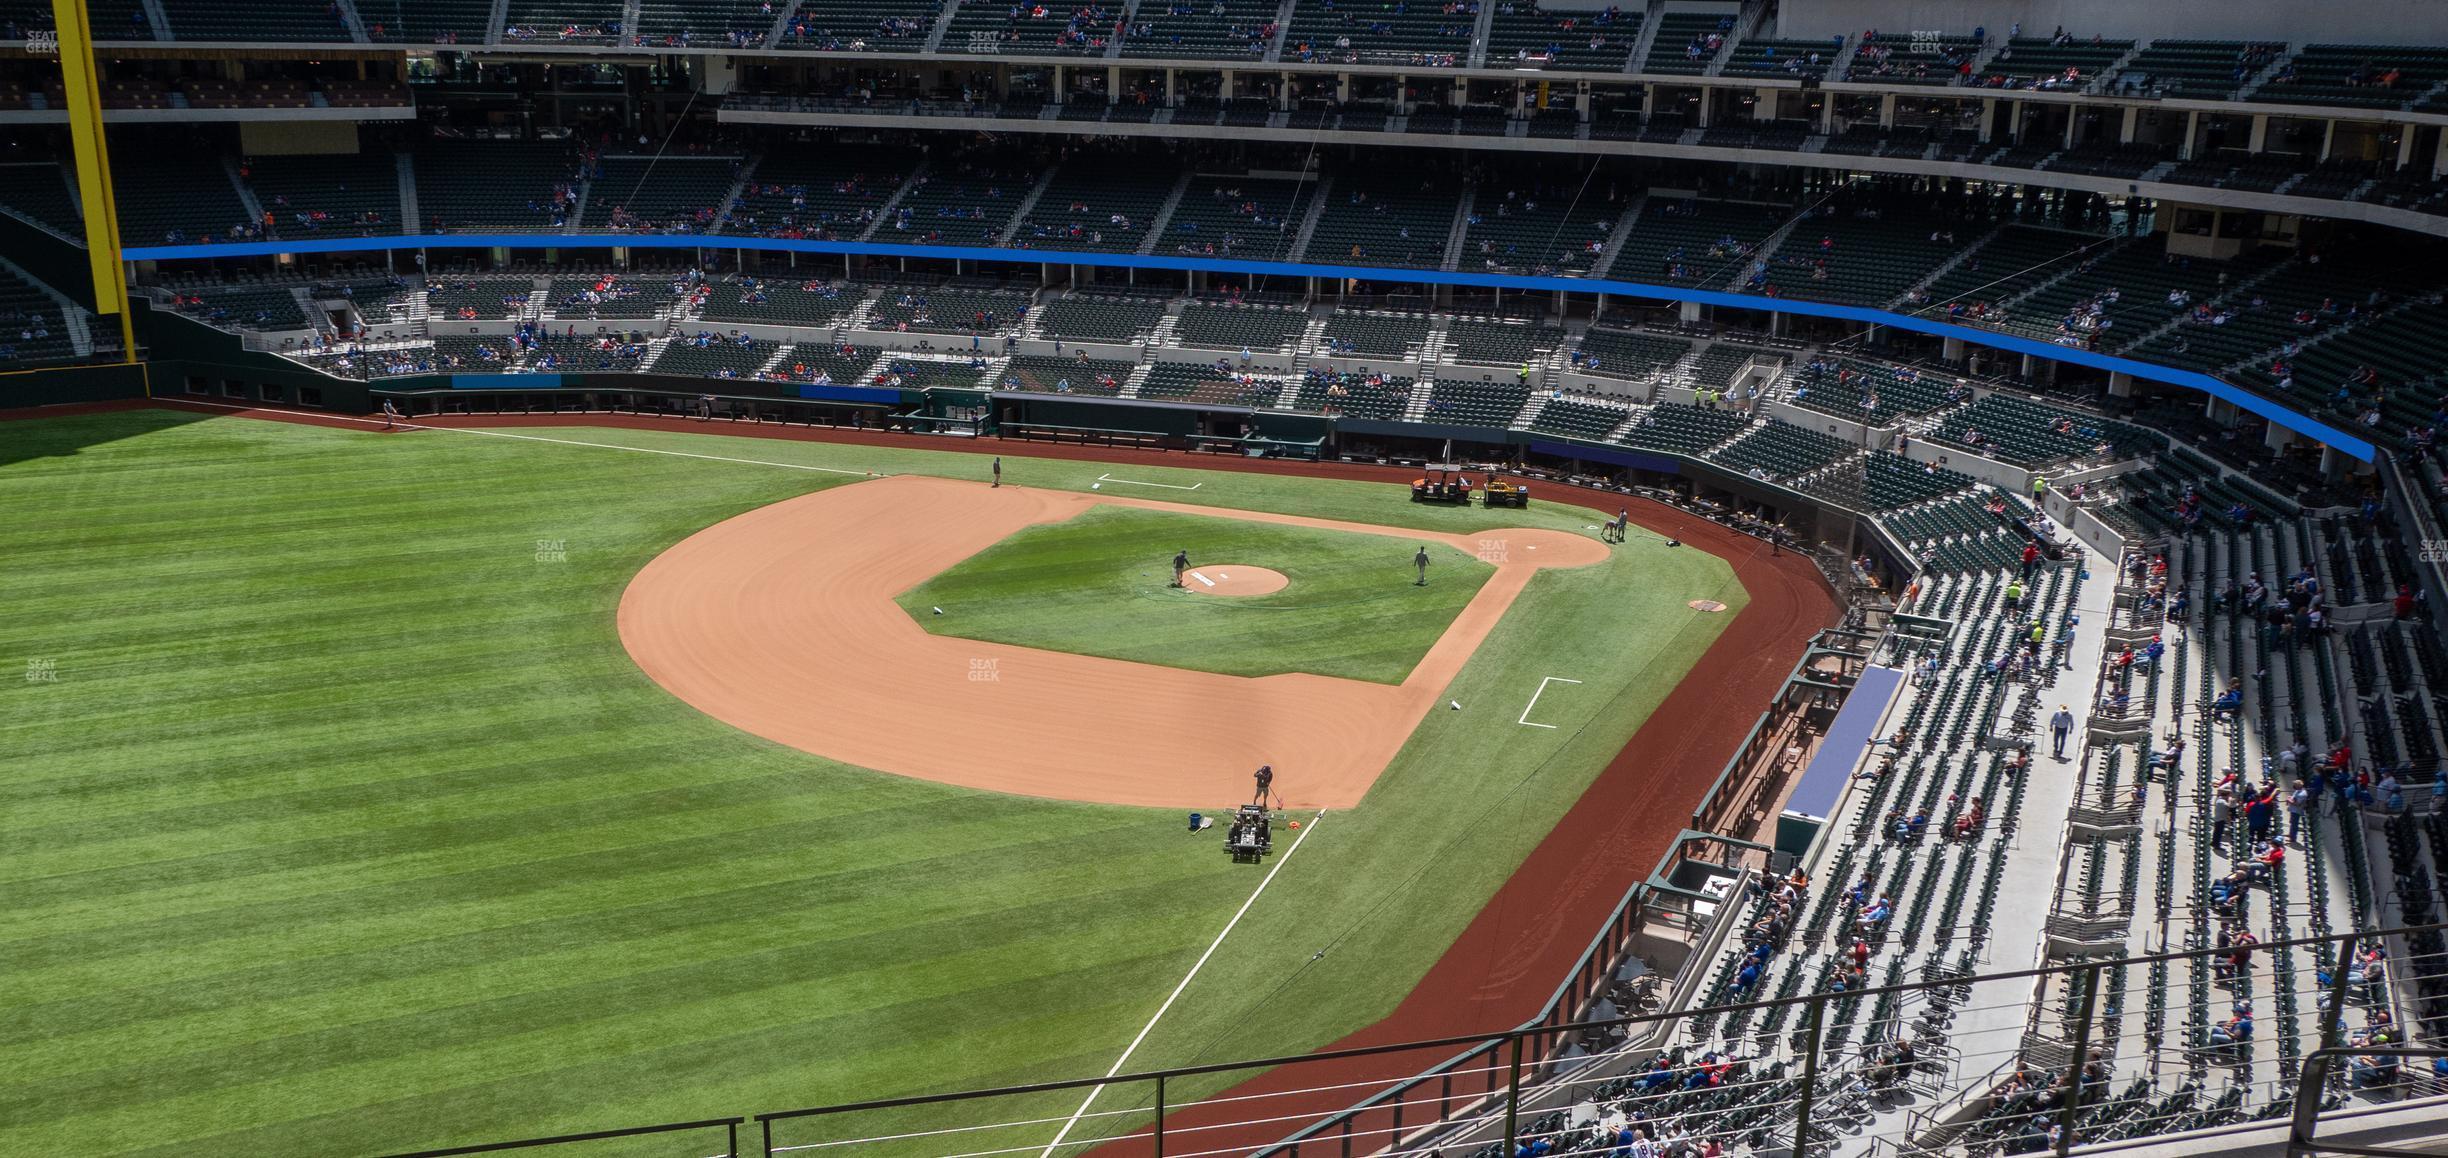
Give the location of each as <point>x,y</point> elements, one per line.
<point>81,89</point>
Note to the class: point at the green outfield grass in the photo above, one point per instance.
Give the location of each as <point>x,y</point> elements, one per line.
<point>1101,584</point>
<point>334,820</point>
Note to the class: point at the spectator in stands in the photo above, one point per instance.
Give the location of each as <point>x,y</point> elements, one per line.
<point>2061,728</point>
<point>2230,703</point>
<point>2234,1031</point>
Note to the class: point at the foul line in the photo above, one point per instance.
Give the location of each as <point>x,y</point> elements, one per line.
<point>1137,483</point>
<point>1542,690</point>
<point>560,441</point>
<point>1212,946</point>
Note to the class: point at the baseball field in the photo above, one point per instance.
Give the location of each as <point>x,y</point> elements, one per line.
<point>367,792</point>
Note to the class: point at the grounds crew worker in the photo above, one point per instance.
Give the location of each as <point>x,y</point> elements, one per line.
<point>1266,781</point>
<point>1421,561</point>
<point>1181,563</point>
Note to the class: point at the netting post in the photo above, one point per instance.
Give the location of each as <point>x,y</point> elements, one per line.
<point>2085,1005</point>
<point>2316,1067</point>
<point>1160,1111</point>
<point>767,1125</point>
<point>1810,1077</point>
<point>1513,1097</point>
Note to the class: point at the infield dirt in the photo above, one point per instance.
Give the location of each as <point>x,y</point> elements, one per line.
<point>781,622</point>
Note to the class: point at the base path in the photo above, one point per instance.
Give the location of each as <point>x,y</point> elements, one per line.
<point>781,622</point>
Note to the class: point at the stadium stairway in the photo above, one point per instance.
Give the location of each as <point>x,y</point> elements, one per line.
<point>1028,202</point>
<point>731,196</point>
<point>1902,301</point>
<point>943,24</point>
<point>1455,231</point>
<point>412,219</point>
<point>1478,53</point>
<point>1283,29</point>
<point>1163,217</point>
<point>884,212</point>
<point>1762,258</point>
<point>1623,233</point>
<point>1318,200</point>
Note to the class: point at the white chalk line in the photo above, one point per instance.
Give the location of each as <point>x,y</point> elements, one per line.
<point>1212,946</point>
<point>1201,577</point>
<point>1137,483</point>
<point>1534,698</point>
<point>560,441</point>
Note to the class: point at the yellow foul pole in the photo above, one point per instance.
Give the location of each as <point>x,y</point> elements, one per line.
<point>81,81</point>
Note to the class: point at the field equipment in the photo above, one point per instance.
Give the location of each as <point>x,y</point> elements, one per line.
<point>1250,835</point>
<point>1444,483</point>
<point>1506,494</point>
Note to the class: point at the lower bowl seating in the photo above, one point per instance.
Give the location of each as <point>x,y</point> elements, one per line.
<point>1783,450</point>
<point>1464,403</point>
<point>1039,374</point>
<point>1255,218</point>
<point>1523,35</point>
<point>1098,318</point>
<point>833,194</point>
<point>1358,393</point>
<point>1570,418</point>
<point>1374,334</point>
<point>1627,355</point>
<point>861,25</point>
<point>1107,207</point>
<point>1492,342</point>
<point>950,311</point>
<point>710,355</point>
<point>1228,327</point>
<point>659,194</point>
<point>463,298</point>
<point>1209,385</point>
<point>1689,429</point>
<point>775,301</point>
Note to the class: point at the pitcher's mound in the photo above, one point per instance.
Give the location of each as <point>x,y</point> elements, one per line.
<point>1233,579</point>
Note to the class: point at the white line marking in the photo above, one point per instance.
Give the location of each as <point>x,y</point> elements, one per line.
<point>1542,690</point>
<point>1150,1027</point>
<point>541,438</point>
<point>1201,577</point>
<point>1137,483</point>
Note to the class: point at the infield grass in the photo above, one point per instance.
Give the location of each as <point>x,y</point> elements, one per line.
<point>1101,584</point>
<point>334,820</point>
